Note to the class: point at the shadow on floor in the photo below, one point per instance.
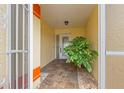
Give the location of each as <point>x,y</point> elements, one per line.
<point>60,75</point>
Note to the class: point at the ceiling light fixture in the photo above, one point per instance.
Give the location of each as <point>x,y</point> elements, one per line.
<point>66,22</point>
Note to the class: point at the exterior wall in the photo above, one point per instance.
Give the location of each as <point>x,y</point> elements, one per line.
<point>115,72</point>
<point>36,46</point>
<point>36,40</point>
<point>2,51</point>
<point>114,42</point>
<point>92,35</point>
<point>74,32</point>
<point>36,10</point>
<point>3,46</point>
<point>47,43</point>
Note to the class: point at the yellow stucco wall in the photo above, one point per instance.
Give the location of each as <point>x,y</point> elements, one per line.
<point>114,42</point>
<point>73,32</point>
<point>92,35</point>
<point>3,46</point>
<point>36,41</point>
<point>47,43</point>
<point>36,46</point>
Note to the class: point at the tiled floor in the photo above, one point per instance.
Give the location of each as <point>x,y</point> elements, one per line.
<point>59,74</point>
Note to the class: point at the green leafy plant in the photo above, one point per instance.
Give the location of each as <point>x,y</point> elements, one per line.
<point>80,53</point>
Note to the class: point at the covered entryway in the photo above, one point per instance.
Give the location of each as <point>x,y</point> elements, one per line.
<point>54,27</point>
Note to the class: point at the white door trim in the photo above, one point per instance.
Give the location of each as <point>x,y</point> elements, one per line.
<point>31,47</point>
<point>101,46</point>
<point>9,42</point>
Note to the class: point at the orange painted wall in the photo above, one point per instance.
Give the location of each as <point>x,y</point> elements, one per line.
<point>37,10</point>
<point>36,73</point>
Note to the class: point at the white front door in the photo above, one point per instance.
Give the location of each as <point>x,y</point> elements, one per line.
<point>64,41</point>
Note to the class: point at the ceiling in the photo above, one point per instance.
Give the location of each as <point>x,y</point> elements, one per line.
<point>76,14</point>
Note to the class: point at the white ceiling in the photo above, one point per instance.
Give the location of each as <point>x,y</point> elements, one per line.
<point>76,14</point>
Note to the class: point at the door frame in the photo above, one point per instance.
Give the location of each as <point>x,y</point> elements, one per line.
<point>31,47</point>
<point>101,46</point>
<point>59,42</point>
<point>9,42</point>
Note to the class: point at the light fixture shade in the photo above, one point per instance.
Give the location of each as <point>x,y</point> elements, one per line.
<point>66,22</point>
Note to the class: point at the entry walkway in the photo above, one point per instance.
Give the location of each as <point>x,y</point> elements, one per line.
<point>59,74</point>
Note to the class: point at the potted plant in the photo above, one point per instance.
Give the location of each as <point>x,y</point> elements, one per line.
<point>80,53</point>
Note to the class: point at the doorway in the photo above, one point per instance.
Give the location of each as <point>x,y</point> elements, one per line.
<point>62,41</point>
<point>56,35</point>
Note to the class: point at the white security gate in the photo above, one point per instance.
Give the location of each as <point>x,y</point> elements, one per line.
<point>16,46</point>
<point>19,32</point>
